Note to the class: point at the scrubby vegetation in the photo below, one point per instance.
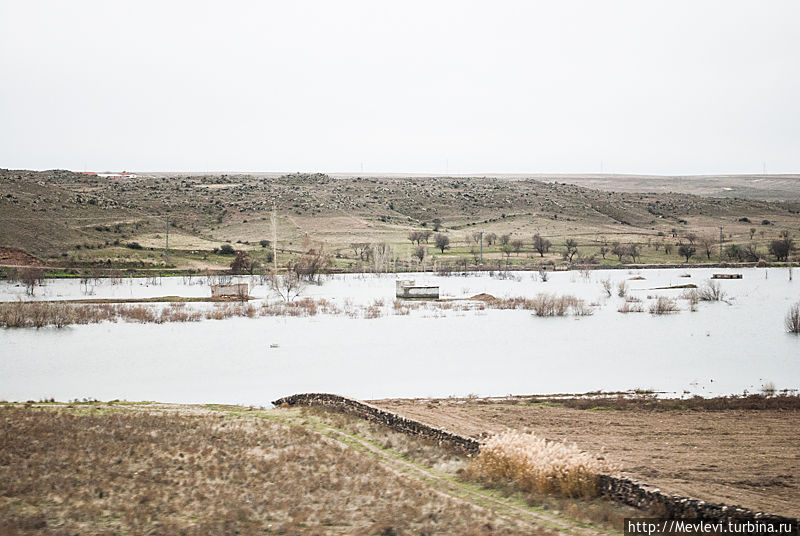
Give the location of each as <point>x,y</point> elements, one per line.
<point>41,314</point>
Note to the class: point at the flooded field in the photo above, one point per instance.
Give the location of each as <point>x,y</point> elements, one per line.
<point>722,347</point>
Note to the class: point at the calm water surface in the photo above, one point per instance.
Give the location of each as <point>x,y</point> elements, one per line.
<point>722,348</point>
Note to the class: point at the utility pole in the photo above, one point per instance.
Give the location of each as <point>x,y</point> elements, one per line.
<point>481,247</point>
<point>274,239</point>
<point>166,242</point>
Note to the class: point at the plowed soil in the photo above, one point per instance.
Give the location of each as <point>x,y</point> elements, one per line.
<point>740,457</point>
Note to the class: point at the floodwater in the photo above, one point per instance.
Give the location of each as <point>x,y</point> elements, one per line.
<point>722,348</point>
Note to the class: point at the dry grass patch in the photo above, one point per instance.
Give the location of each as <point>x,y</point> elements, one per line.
<point>535,464</point>
<point>663,306</point>
<point>108,470</point>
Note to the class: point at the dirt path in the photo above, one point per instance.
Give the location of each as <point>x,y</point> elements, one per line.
<point>748,458</point>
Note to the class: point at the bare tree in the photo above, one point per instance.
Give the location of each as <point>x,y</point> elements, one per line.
<point>242,264</point>
<point>312,263</point>
<point>442,241</point>
<point>491,238</point>
<point>287,286</point>
<point>572,248</point>
<point>634,251</point>
<point>31,278</point>
<point>603,251</point>
<point>706,244</point>
<point>541,245</point>
<point>783,247</point>
<point>380,254</point>
<point>751,252</point>
<point>420,252</point>
<point>686,250</point>
<point>507,249</point>
<point>360,248</point>
<point>619,250</point>
<point>505,239</point>
<point>691,237</point>
<point>517,245</point>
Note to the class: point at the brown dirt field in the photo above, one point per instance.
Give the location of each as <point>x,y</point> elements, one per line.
<point>740,457</point>
<point>17,257</point>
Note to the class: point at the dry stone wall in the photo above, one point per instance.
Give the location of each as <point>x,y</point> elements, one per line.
<point>381,416</point>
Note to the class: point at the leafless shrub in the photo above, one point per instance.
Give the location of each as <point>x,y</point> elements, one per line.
<point>693,296</point>
<point>711,291</point>
<point>631,307</point>
<point>551,305</point>
<point>792,320</point>
<point>606,286</point>
<point>663,305</point>
<point>622,289</point>
<point>543,276</point>
<point>580,308</point>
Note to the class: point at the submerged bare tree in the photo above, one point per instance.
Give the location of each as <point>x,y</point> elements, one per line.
<point>287,286</point>
<point>31,278</point>
<point>792,320</point>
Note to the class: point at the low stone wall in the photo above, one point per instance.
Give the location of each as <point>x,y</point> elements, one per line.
<point>652,499</point>
<point>375,414</point>
<point>616,488</point>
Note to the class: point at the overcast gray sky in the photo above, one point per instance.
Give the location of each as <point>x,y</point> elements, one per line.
<point>668,87</point>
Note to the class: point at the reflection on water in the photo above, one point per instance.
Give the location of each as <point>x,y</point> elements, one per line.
<point>723,348</point>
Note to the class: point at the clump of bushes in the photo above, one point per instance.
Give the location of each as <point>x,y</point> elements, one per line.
<point>537,465</point>
<point>41,314</point>
<point>711,291</point>
<point>542,304</point>
<point>663,306</point>
<point>631,307</point>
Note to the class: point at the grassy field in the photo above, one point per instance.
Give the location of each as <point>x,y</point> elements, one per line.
<point>80,222</point>
<point>99,468</point>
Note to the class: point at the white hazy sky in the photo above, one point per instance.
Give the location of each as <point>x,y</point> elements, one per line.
<point>673,87</point>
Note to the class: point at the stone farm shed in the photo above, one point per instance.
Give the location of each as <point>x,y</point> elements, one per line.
<point>233,290</point>
<point>408,289</point>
